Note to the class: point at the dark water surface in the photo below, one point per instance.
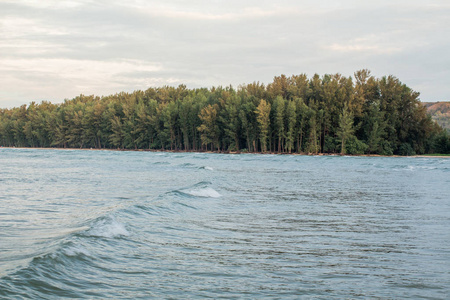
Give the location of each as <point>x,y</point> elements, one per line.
<point>105,224</point>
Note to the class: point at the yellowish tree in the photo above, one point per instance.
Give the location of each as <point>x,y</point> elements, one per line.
<point>209,130</point>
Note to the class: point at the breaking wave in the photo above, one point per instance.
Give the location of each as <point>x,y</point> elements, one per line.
<point>202,189</point>
<point>206,192</point>
<point>107,227</point>
<point>207,168</point>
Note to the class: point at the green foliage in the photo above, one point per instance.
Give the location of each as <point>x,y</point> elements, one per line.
<point>312,144</point>
<point>332,114</point>
<point>346,129</point>
<point>355,146</point>
<point>386,148</point>
<point>279,111</point>
<point>263,118</point>
<point>209,128</point>
<point>441,143</point>
<point>332,145</point>
<point>406,150</point>
<point>291,122</point>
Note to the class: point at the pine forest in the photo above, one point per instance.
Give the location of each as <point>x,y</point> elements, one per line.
<point>296,114</point>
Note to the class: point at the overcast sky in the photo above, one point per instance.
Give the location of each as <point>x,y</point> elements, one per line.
<point>55,49</point>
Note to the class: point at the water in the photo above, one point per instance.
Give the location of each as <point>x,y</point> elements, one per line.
<point>106,224</point>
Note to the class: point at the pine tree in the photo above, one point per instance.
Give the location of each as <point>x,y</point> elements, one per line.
<point>263,118</point>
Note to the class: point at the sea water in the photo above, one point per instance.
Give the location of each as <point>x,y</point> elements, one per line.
<point>129,225</point>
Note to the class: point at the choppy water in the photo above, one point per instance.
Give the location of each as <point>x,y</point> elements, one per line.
<point>104,224</point>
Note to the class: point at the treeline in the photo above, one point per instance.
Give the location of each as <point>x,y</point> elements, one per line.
<point>328,114</point>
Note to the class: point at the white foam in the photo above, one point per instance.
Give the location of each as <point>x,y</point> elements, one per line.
<point>208,168</point>
<point>206,192</point>
<point>108,228</point>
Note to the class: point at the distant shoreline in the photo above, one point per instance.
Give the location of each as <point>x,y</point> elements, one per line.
<point>224,152</point>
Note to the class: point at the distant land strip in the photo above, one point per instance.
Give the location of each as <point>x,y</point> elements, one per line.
<point>440,112</point>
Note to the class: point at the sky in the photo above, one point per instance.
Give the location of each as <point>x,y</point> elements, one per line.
<point>58,49</point>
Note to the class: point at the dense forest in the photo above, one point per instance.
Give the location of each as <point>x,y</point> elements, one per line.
<point>297,114</point>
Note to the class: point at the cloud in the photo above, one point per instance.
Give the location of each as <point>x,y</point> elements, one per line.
<point>15,27</point>
<point>355,47</point>
<point>372,45</point>
<point>244,14</point>
<point>58,49</point>
<point>51,4</point>
<point>57,79</point>
<point>76,69</point>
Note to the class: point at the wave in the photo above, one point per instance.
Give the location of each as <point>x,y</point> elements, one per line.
<point>164,163</point>
<point>50,275</point>
<point>107,227</point>
<point>415,168</point>
<point>187,165</point>
<point>202,189</point>
<point>75,251</point>
<point>71,245</point>
<point>206,193</point>
<point>207,168</point>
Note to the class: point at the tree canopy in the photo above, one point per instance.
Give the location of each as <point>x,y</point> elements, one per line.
<point>328,114</point>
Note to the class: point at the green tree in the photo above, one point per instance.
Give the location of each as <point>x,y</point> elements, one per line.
<point>312,145</point>
<point>263,118</point>
<point>209,128</point>
<point>170,117</point>
<point>279,112</point>
<point>313,115</point>
<point>302,112</point>
<point>247,117</point>
<point>291,123</point>
<point>374,125</point>
<point>185,110</point>
<point>118,134</point>
<point>346,129</point>
<point>230,120</point>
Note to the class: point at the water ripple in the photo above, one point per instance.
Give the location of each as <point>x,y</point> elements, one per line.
<point>99,225</point>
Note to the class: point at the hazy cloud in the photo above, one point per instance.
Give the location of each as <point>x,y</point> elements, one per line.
<point>51,50</point>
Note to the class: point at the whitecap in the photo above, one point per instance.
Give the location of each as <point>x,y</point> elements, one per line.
<point>108,227</point>
<point>208,168</point>
<point>205,192</point>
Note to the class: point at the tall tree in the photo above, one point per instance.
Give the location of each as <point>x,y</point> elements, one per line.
<point>230,120</point>
<point>291,122</point>
<point>209,128</point>
<point>346,129</point>
<point>279,110</point>
<point>263,118</point>
<point>322,114</point>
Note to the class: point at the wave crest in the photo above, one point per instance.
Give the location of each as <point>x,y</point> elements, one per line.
<point>203,192</point>
<point>207,168</point>
<point>108,228</point>
<point>76,250</point>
